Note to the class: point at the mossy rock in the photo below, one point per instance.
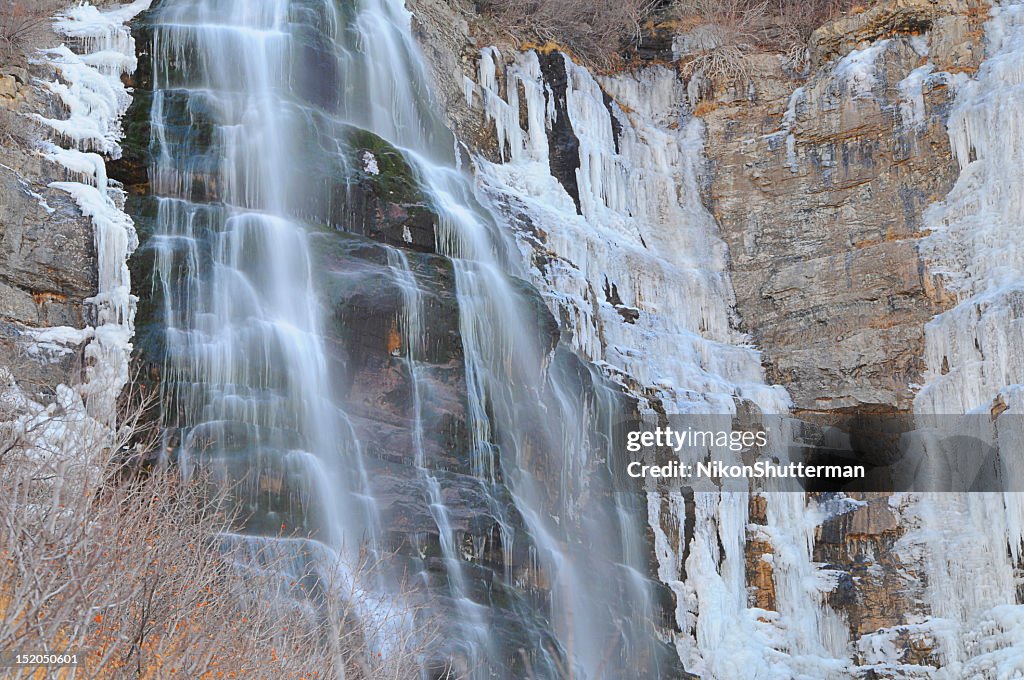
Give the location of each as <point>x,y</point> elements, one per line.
<point>395,179</point>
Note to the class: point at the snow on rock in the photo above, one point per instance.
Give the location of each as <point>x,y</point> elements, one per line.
<point>857,69</point>
<point>911,89</point>
<point>370,165</point>
<point>95,98</point>
<point>90,84</point>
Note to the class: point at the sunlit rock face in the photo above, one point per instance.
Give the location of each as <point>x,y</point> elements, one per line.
<point>820,191</point>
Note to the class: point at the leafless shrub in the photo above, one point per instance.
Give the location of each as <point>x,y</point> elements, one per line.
<point>771,25</point>
<point>717,37</point>
<point>22,22</point>
<point>106,551</point>
<point>723,34</point>
<point>592,30</point>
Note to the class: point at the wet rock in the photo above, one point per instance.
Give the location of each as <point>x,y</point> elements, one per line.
<point>381,197</point>
<point>564,154</point>
<point>366,337</point>
<point>132,168</point>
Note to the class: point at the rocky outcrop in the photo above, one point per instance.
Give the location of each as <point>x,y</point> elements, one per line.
<point>819,190</point>
<point>950,23</point>
<point>444,32</point>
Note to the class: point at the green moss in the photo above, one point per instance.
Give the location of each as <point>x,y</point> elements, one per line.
<point>396,180</point>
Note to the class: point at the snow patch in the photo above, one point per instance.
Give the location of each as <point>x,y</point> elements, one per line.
<point>370,166</point>
<point>857,69</point>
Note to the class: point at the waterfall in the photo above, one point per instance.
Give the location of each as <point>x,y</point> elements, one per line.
<point>246,368</point>
<point>263,114</point>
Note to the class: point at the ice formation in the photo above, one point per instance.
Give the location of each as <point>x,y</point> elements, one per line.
<point>798,97</point>
<point>856,70</point>
<point>95,98</point>
<point>911,89</point>
<point>638,274</point>
<point>970,544</point>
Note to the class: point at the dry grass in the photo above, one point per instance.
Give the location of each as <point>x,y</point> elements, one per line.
<point>770,25</point>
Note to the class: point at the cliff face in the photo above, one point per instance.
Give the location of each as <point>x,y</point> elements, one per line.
<point>819,182</point>
<point>760,250</point>
<point>66,301</point>
<point>820,191</point>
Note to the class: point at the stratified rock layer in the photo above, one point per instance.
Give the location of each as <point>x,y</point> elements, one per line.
<point>820,191</point>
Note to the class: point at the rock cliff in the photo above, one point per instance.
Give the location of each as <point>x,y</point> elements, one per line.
<point>48,258</point>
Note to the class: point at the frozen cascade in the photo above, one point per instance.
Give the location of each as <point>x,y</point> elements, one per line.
<point>637,271</point>
<point>972,353</point>
<point>94,99</point>
<point>244,90</point>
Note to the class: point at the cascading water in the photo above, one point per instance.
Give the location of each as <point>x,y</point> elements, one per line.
<point>263,114</point>
<point>245,360</point>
